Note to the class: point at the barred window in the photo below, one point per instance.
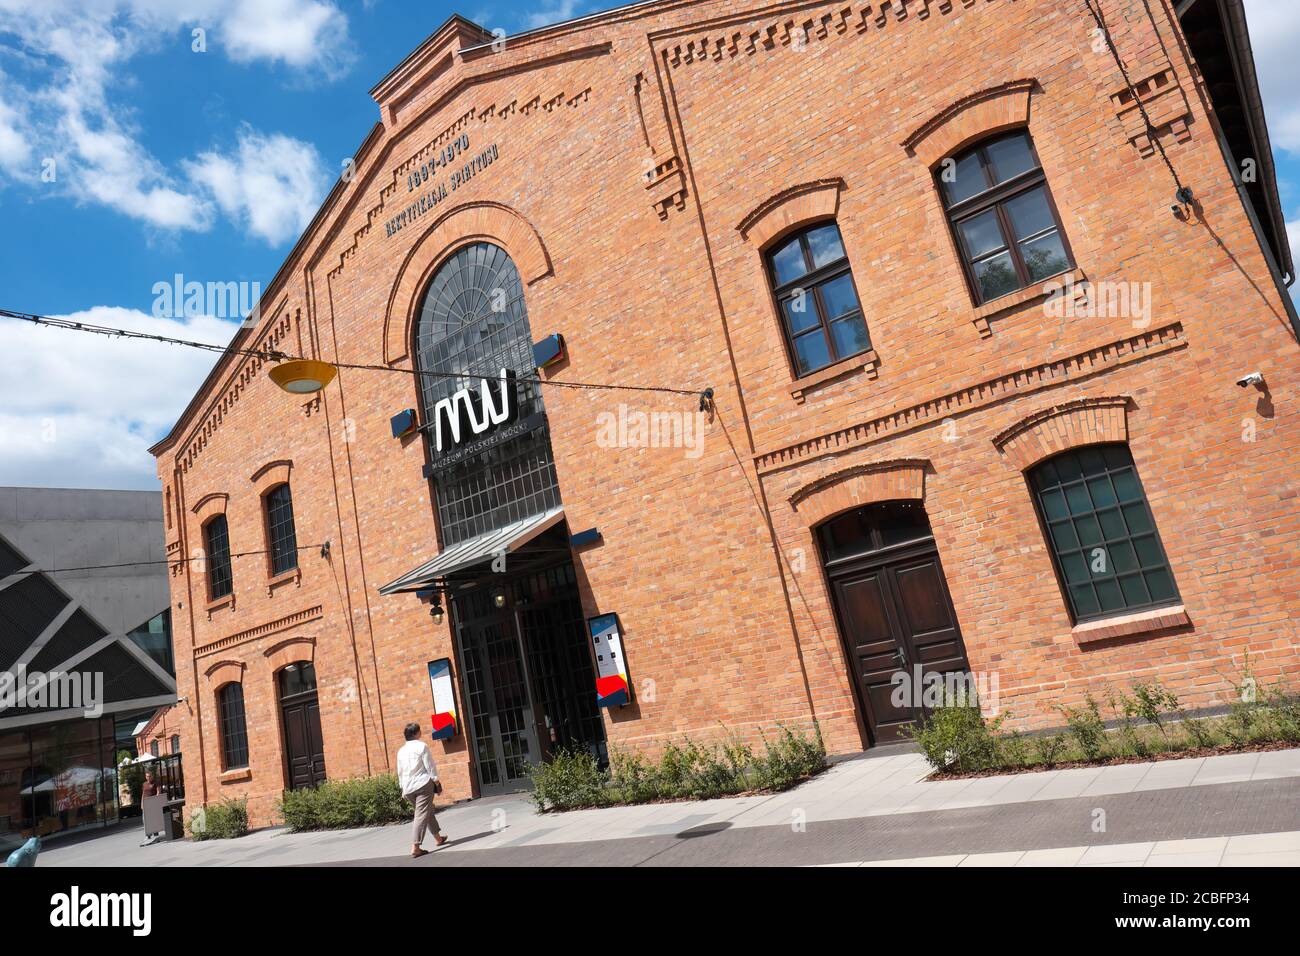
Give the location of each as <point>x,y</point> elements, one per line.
<point>279,524</point>
<point>1104,541</point>
<point>1003,216</point>
<point>820,313</point>
<point>216,538</point>
<point>234,732</point>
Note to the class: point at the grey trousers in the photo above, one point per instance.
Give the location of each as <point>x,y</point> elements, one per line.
<point>424,818</point>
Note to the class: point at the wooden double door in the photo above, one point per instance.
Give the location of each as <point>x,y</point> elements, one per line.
<point>304,744</point>
<point>895,613</point>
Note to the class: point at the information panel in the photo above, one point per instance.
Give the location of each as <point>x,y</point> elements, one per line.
<point>443,719</point>
<point>612,687</point>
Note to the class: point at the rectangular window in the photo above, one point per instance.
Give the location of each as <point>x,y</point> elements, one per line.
<point>821,316</point>
<point>217,539</point>
<point>280,529</point>
<point>1104,541</point>
<point>234,732</point>
<point>1002,216</point>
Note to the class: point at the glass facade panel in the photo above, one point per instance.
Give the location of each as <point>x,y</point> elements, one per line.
<point>56,778</point>
<point>154,637</point>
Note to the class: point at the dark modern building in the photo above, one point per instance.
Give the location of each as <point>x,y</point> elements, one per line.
<point>85,650</point>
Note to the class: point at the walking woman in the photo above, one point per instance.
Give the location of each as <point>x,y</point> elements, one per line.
<point>418,775</point>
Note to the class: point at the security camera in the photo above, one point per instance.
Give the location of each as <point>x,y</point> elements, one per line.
<point>1254,378</point>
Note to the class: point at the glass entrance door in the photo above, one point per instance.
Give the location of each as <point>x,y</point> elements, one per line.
<point>501,714</point>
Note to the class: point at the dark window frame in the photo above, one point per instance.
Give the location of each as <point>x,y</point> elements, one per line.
<point>220,574</point>
<point>996,195</point>
<point>232,719</point>
<point>812,282</point>
<point>1045,527</point>
<point>281,531</point>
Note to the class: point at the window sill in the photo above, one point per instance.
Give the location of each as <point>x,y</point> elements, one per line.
<point>868,360</point>
<point>1127,625</point>
<point>219,603</point>
<point>994,308</point>
<point>294,575</point>
<point>236,775</point>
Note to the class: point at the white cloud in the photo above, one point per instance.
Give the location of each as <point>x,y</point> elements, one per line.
<point>272,185</point>
<point>299,33</point>
<point>81,410</point>
<point>556,12</point>
<point>83,50</point>
<point>1275,37</point>
<point>15,150</point>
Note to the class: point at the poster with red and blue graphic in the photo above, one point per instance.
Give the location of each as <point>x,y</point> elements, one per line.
<point>443,719</point>
<point>612,686</point>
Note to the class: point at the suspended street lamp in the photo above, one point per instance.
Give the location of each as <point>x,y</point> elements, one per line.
<point>303,376</point>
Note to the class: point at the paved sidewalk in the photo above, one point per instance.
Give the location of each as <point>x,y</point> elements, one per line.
<point>1259,849</point>
<point>864,809</point>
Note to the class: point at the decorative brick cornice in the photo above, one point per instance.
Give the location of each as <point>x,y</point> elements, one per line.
<point>389,195</point>
<point>800,28</point>
<point>970,118</point>
<point>260,631</point>
<point>1086,421</point>
<point>249,371</point>
<point>1166,105</point>
<point>1021,382</point>
<point>791,207</point>
<point>902,479</point>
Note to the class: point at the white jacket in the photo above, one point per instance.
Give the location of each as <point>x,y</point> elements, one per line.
<point>415,767</point>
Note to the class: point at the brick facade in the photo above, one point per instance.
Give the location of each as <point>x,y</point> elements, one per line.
<point>646,160</point>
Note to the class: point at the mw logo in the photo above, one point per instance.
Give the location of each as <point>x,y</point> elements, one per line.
<point>458,417</point>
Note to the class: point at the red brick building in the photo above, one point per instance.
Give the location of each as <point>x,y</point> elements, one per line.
<point>974,372</point>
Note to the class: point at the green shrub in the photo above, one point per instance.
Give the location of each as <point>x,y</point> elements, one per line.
<point>569,780</point>
<point>1284,710</point>
<point>956,736</point>
<point>1049,748</point>
<point>345,804</point>
<point>223,820</point>
<point>572,780</point>
<point>1087,728</point>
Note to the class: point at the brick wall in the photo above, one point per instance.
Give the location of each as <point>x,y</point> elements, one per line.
<point>645,158</point>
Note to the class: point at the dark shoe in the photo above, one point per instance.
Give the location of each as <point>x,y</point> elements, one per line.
<point>419,853</point>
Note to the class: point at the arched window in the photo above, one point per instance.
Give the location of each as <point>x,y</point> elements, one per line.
<point>820,313</point>
<point>216,539</point>
<point>234,732</point>
<point>280,530</point>
<point>1002,216</point>
<point>473,324</point>
<point>1104,541</point>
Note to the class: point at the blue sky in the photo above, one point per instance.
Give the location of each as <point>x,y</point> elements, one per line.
<point>209,164</point>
